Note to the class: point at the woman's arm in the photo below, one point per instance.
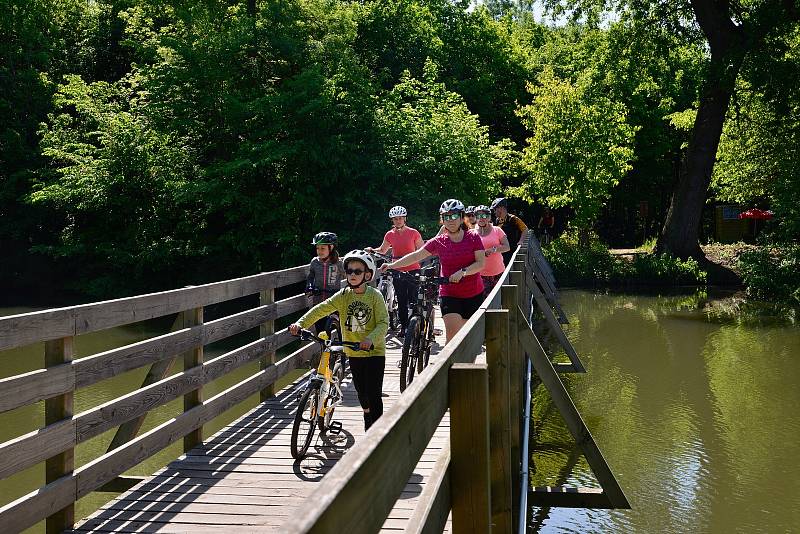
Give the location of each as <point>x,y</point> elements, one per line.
<point>503,247</point>
<point>408,259</point>
<point>381,249</point>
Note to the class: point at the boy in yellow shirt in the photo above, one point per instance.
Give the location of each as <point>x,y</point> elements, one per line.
<point>364,319</point>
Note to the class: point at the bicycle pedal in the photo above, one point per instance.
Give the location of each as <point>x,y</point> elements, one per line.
<point>335,428</point>
<point>398,364</point>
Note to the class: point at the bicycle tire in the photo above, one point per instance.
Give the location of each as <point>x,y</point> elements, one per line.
<point>408,357</point>
<point>301,438</point>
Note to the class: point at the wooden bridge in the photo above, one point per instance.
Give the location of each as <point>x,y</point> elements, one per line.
<point>444,456</point>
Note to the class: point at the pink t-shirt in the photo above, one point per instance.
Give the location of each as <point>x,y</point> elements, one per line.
<point>494,262</point>
<point>403,242</point>
<point>455,256</point>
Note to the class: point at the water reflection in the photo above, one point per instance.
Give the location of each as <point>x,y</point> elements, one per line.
<point>698,417</point>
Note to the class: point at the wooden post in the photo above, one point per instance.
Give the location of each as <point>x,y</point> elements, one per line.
<point>193,358</point>
<point>57,352</point>
<point>503,463</point>
<point>508,295</point>
<point>469,447</point>
<point>267,329</point>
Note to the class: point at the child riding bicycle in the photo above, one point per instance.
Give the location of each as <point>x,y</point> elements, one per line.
<point>365,320</point>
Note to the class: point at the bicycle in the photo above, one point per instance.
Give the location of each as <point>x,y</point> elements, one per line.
<point>386,286</point>
<point>420,333</point>
<point>546,236</point>
<point>321,394</point>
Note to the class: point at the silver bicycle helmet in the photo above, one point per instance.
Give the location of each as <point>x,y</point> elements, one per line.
<point>451,204</point>
<point>398,211</point>
<point>363,256</point>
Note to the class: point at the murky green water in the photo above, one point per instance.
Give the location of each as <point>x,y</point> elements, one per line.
<point>29,418</point>
<point>698,417</point>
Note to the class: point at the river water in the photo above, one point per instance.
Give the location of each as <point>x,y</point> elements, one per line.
<point>29,418</point>
<point>697,413</point>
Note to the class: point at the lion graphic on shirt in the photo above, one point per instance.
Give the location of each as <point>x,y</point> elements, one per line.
<point>358,315</point>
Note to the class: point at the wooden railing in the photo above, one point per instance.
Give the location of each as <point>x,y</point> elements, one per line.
<point>56,384</point>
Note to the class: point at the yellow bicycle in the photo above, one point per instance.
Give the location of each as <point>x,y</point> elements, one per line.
<point>321,394</point>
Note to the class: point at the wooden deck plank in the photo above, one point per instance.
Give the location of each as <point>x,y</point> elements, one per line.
<point>243,478</point>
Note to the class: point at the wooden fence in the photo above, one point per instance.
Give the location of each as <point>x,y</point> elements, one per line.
<point>55,443</point>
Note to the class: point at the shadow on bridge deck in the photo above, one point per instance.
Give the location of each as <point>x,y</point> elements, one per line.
<point>243,479</point>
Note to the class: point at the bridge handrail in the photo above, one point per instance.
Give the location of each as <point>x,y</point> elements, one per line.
<point>55,442</point>
<point>28,328</point>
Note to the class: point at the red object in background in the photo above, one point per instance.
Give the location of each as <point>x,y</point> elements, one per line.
<point>755,213</point>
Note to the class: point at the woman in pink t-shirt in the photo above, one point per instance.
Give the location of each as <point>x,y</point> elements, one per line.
<point>495,242</point>
<point>462,258</point>
<point>402,239</point>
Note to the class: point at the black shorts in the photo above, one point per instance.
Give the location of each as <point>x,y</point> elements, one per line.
<point>465,307</point>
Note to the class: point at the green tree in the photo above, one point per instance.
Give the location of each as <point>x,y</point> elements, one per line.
<point>580,147</point>
<point>733,31</point>
<point>436,149</point>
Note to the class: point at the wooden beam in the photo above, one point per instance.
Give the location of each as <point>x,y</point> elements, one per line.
<point>567,497</point>
<point>27,328</point>
<point>266,329</point>
<point>503,463</point>
<point>469,447</point>
<point>194,398</point>
<point>515,370</point>
<point>25,389</point>
<point>572,418</point>
<point>57,410</point>
<point>433,505</point>
<point>555,327</point>
<point>158,371</point>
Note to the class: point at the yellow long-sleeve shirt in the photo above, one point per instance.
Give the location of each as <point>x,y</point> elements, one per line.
<point>361,317</point>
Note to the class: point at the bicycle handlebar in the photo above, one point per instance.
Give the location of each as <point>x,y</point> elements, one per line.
<point>308,335</point>
<point>440,280</point>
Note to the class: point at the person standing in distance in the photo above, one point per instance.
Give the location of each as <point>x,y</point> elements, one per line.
<point>514,228</point>
<point>402,239</point>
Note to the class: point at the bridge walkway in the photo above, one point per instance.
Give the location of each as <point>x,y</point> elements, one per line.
<point>243,479</point>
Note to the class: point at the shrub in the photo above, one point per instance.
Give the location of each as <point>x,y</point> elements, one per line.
<point>772,272</point>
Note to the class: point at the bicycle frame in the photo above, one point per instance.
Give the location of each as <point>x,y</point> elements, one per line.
<point>325,372</point>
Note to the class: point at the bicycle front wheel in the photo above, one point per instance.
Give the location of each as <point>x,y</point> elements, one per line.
<point>304,422</point>
<point>410,354</point>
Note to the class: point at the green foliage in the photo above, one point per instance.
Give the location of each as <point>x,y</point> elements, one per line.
<point>579,150</point>
<point>772,273</point>
<point>594,265</point>
<point>435,146</point>
<point>119,188</point>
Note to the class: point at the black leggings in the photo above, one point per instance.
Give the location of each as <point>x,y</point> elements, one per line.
<point>368,379</point>
<point>406,291</point>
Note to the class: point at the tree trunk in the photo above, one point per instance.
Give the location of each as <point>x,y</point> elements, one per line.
<point>680,235</point>
<point>681,229</point>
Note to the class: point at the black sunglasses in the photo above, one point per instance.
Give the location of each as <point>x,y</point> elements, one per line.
<point>354,271</point>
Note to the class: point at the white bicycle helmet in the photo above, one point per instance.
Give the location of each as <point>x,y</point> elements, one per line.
<point>363,256</point>
<point>398,211</point>
<point>451,204</point>
<point>470,210</point>
<point>481,208</point>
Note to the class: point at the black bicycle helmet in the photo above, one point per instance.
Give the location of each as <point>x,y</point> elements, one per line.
<point>325,238</point>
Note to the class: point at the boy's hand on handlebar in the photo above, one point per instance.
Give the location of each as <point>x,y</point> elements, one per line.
<point>294,329</point>
<point>365,345</point>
